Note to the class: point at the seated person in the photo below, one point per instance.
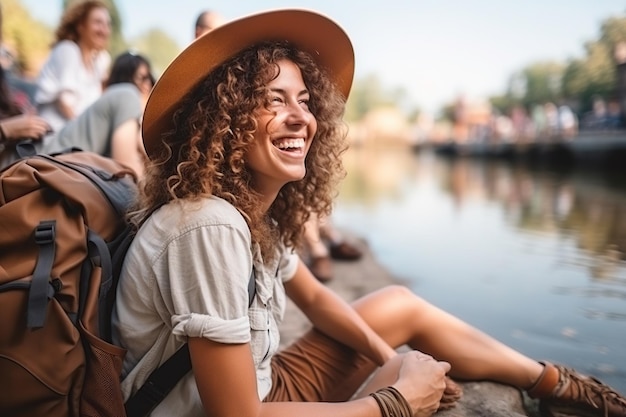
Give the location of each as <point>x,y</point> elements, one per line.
<point>111,126</point>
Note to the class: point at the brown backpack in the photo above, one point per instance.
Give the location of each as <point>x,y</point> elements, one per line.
<point>63,235</point>
<point>63,238</point>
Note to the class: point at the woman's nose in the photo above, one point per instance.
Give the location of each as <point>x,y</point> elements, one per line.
<point>298,114</point>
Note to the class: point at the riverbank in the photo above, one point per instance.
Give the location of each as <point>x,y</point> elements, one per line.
<point>355,279</point>
<point>603,148</point>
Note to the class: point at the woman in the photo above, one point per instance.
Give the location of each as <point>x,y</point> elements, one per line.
<point>72,77</point>
<point>244,134</point>
<point>16,123</point>
<point>112,125</point>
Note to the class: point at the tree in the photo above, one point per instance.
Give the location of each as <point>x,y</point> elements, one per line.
<point>595,73</point>
<point>368,94</point>
<point>28,39</point>
<point>543,83</point>
<point>158,47</point>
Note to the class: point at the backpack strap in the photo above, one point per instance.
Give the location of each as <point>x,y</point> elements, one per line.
<point>163,379</point>
<point>45,235</point>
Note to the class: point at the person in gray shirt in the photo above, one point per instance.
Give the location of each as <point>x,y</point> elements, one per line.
<point>111,125</point>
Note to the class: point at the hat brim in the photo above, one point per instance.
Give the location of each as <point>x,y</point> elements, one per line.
<point>310,31</point>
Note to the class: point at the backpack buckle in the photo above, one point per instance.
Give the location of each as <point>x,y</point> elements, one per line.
<point>45,232</point>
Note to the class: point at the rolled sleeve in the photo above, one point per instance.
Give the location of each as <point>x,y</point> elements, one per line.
<point>213,328</point>
<point>206,291</point>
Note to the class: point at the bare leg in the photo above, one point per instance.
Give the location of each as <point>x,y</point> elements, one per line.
<point>312,239</point>
<point>328,231</point>
<point>472,354</point>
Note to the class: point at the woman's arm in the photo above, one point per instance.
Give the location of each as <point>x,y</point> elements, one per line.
<point>23,127</point>
<point>333,316</point>
<point>226,381</point>
<point>127,147</point>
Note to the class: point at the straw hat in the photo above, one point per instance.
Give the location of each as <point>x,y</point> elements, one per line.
<point>310,31</point>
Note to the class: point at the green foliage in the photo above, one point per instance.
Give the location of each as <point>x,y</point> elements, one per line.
<point>28,38</point>
<point>543,82</point>
<point>368,93</point>
<point>576,81</point>
<point>502,104</point>
<point>591,76</point>
<point>595,74</point>
<point>158,47</point>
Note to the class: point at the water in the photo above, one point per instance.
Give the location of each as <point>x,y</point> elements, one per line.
<point>532,257</point>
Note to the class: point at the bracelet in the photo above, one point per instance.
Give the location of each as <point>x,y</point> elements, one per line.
<point>392,403</point>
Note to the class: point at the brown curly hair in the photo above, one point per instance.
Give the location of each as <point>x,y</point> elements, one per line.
<point>214,127</point>
<point>76,14</point>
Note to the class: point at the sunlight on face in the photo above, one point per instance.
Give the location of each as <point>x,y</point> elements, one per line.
<point>95,31</point>
<point>285,131</point>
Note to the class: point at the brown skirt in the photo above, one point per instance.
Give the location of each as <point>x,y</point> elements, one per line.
<point>317,368</point>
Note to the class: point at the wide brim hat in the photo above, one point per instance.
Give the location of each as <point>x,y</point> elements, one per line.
<point>308,30</point>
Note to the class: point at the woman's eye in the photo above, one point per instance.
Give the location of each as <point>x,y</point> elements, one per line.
<point>276,100</point>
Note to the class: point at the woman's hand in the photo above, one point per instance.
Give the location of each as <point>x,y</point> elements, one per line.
<point>24,126</point>
<point>421,380</point>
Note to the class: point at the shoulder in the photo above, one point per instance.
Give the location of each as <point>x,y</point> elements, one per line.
<point>122,91</point>
<point>209,225</point>
<point>64,48</point>
<point>180,217</point>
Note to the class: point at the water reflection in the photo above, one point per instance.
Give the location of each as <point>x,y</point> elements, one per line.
<point>567,204</point>
<point>534,257</point>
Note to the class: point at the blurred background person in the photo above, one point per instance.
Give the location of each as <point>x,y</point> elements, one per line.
<point>17,121</point>
<point>318,233</point>
<point>112,125</point>
<point>206,21</point>
<point>72,77</point>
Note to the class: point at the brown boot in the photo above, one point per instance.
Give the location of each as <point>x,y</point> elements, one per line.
<point>322,268</point>
<point>563,390</point>
<point>345,251</point>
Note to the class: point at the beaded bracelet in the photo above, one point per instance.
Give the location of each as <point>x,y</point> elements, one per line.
<point>392,403</point>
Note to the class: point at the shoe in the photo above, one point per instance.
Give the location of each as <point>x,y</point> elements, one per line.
<point>322,268</point>
<point>451,395</point>
<point>345,251</point>
<point>563,390</point>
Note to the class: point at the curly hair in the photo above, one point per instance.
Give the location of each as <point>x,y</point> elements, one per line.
<point>76,14</point>
<point>213,129</point>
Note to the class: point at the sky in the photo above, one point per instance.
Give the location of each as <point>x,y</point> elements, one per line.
<point>433,49</point>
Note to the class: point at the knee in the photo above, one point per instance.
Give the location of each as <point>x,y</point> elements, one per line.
<point>403,294</point>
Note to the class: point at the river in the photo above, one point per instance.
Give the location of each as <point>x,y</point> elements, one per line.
<point>534,257</point>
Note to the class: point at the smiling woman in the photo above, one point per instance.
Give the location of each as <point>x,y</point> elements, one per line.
<point>72,77</point>
<point>244,132</point>
<point>277,154</point>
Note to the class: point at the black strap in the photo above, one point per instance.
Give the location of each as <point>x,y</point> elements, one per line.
<point>25,148</point>
<point>99,254</point>
<point>160,382</point>
<point>163,379</point>
<point>45,234</point>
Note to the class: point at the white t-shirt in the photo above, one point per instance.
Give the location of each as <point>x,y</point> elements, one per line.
<point>64,73</point>
<point>186,275</point>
